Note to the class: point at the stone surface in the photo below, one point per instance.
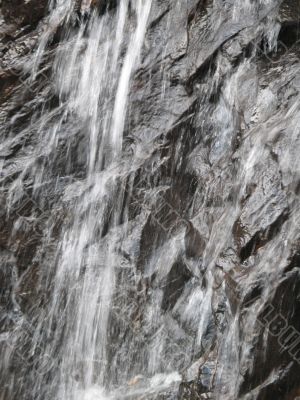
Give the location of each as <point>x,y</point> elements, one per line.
<point>223,147</point>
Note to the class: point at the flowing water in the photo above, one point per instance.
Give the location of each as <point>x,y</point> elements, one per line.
<point>113,323</point>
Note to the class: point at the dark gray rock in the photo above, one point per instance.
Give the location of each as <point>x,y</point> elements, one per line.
<point>22,13</point>
<point>214,207</point>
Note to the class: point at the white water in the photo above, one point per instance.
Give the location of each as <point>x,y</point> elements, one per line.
<point>92,84</point>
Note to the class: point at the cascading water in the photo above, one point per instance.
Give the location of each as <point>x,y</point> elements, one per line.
<point>93,87</point>
<point>151,160</point>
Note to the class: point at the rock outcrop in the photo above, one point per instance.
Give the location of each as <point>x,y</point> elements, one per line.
<point>211,156</point>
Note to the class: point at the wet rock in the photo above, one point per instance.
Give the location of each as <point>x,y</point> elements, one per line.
<point>7,277</point>
<point>268,195</point>
<point>279,320</point>
<point>22,12</point>
<point>194,242</point>
<point>175,281</point>
<point>224,106</point>
<point>289,11</point>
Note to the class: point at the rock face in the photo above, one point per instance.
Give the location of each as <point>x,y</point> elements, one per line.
<point>23,13</point>
<point>199,214</point>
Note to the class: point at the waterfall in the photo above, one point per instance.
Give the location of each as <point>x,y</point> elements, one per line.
<point>150,180</point>
<point>92,85</point>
